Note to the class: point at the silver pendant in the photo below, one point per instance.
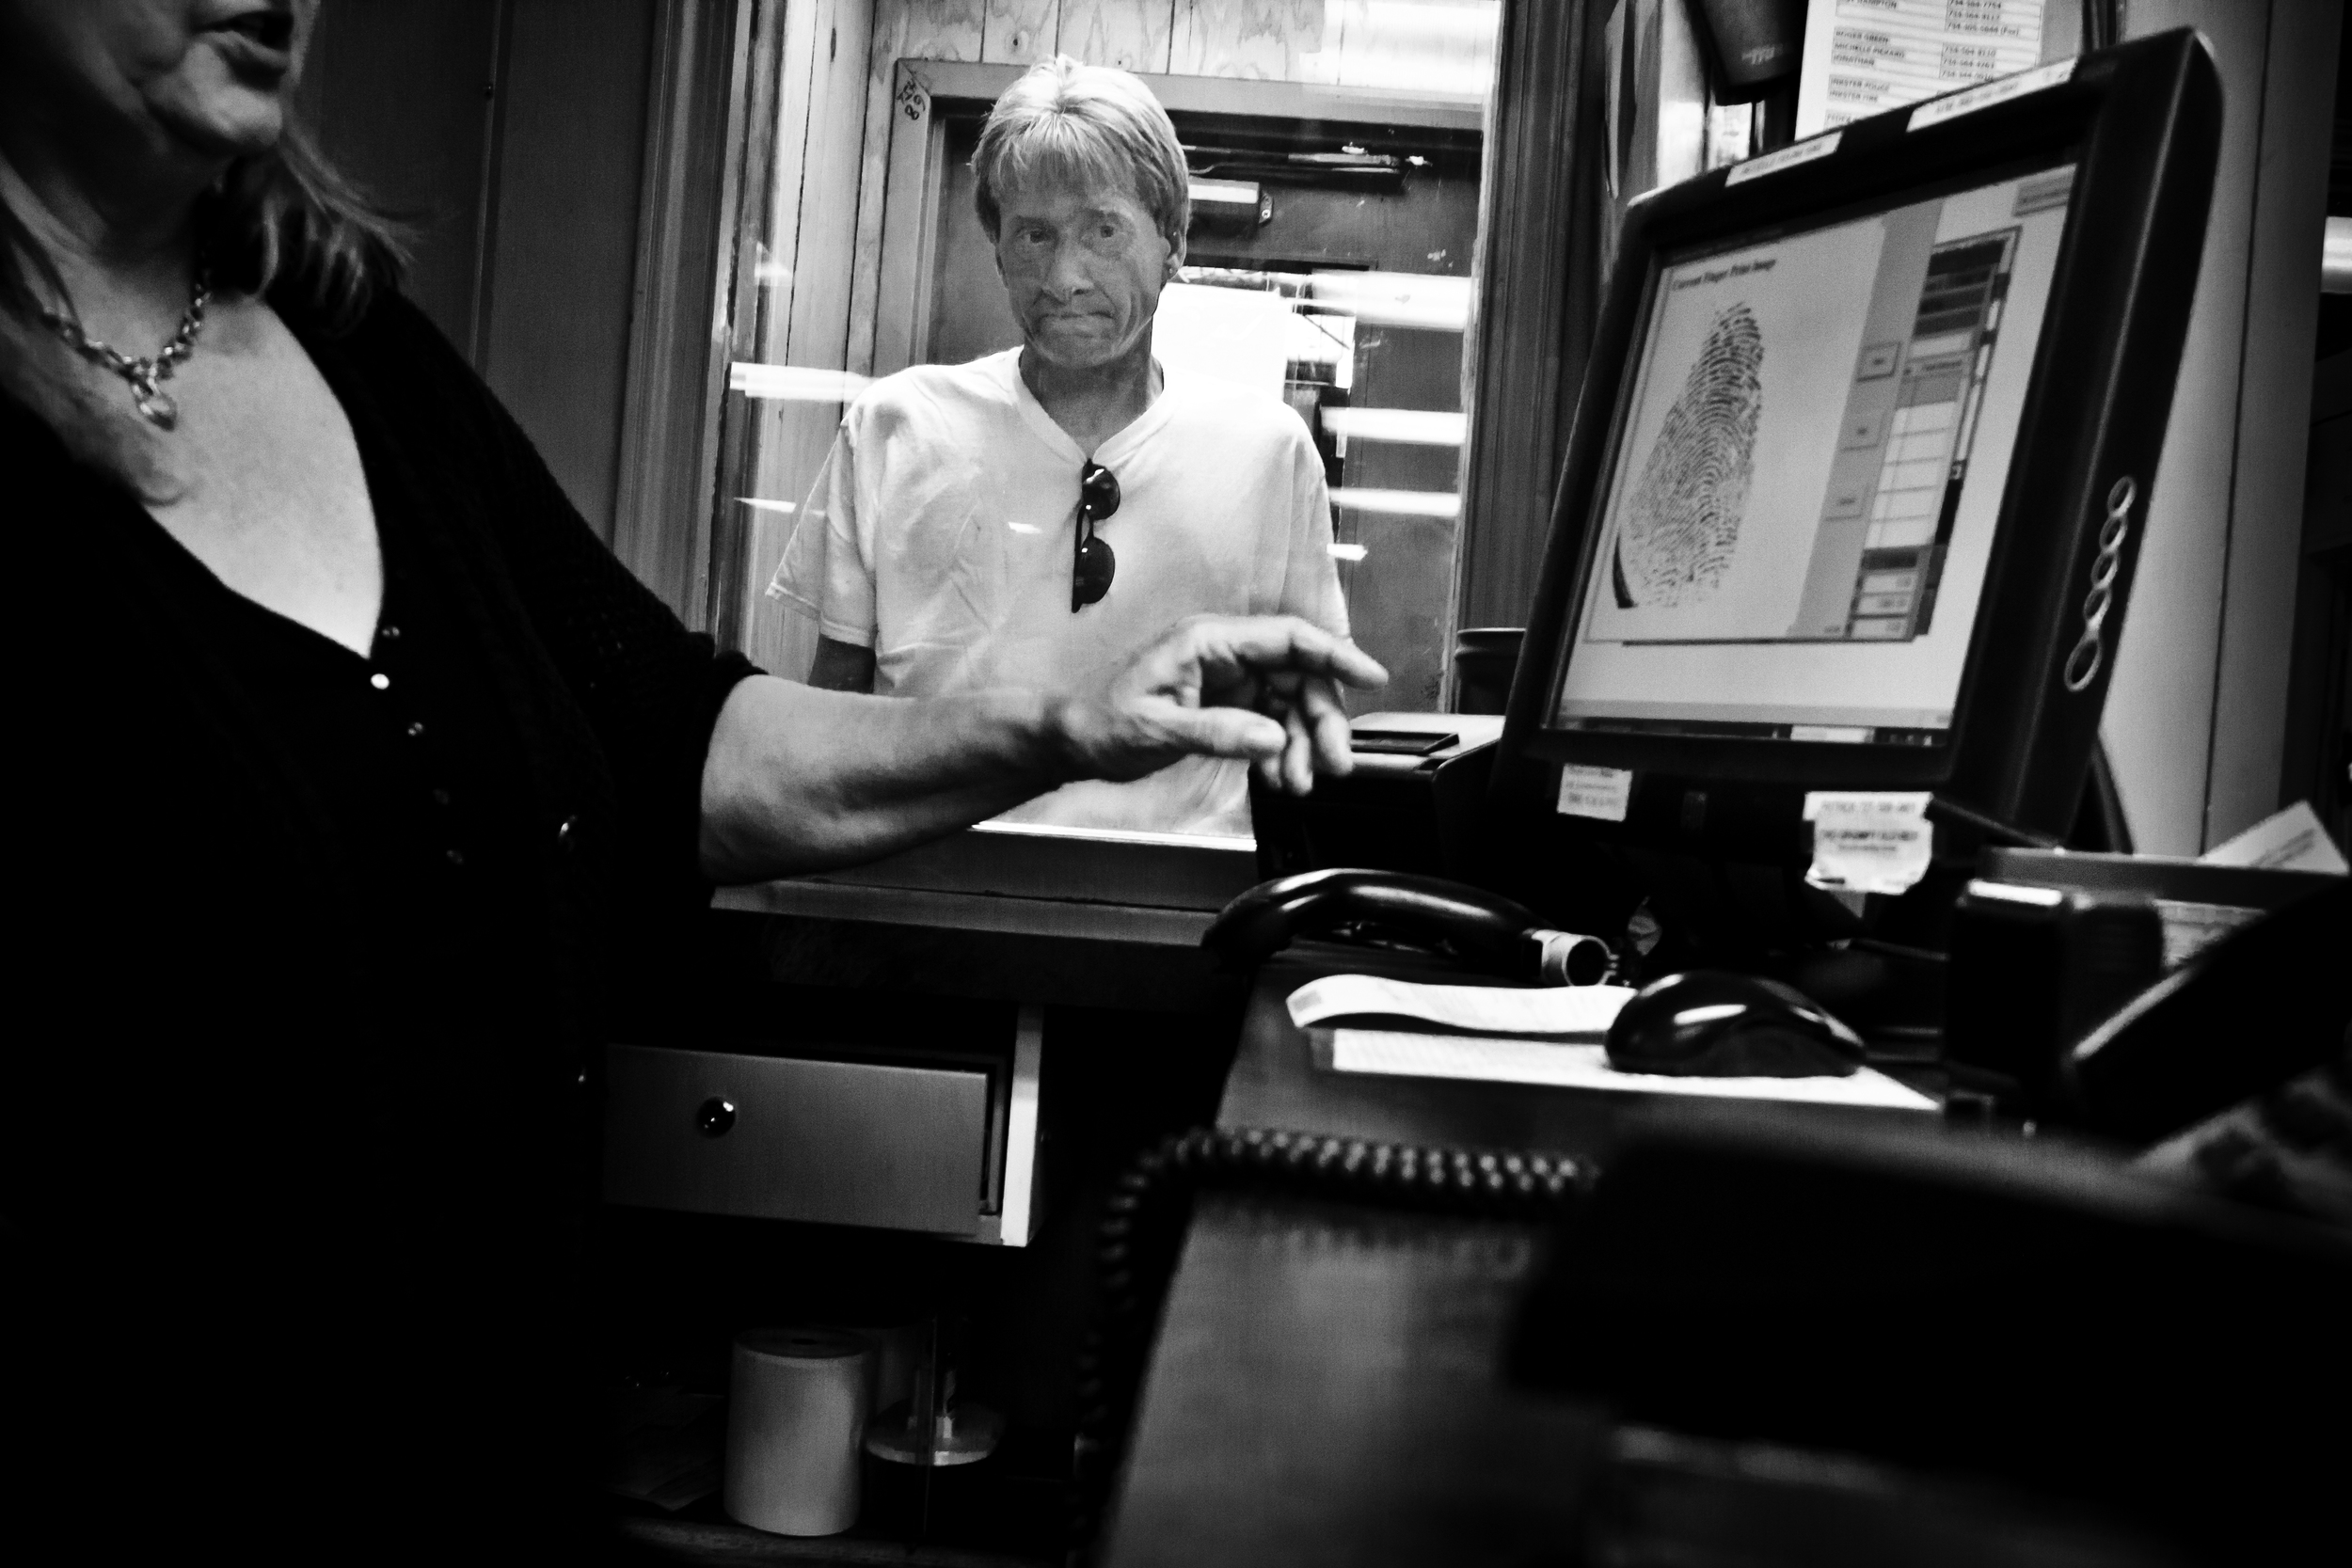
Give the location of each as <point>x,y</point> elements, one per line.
<point>157,405</point>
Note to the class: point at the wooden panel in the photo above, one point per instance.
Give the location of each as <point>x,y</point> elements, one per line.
<point>942,29</point>
<point>564,256</point>
<point>399,93</point>
<point>829,190</point>
<point>903,29</point>
<point>981,82</point>
<point>1019,32</point>
<point>911,210</point>
<point>1264,38</point>
<point>1132,34</point>
<point>1448,45</point>
<point>812,260</point>
<point>776,276</point>
<point>790,441</point>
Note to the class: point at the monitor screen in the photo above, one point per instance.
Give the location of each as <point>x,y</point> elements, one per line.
<point>1814,438</point>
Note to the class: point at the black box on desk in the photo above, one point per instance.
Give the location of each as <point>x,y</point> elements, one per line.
<point>1413,802</point>
<point>2047,943</point>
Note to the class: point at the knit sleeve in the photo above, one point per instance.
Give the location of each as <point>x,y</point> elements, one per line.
<point>650,689</point>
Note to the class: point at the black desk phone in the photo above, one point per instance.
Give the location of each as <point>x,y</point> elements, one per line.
<point>1481,930</point>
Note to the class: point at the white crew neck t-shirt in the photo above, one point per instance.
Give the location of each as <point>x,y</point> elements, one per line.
<point>940,534</point>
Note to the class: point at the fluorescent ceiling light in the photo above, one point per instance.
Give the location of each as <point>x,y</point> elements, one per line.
<point>1407,426</point>
<point>1399,503</point>
<point>795,383</point>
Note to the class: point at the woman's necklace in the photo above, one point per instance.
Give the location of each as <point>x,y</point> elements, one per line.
<point>146,376</point>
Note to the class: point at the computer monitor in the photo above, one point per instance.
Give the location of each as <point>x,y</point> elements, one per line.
<point>1864,452</point>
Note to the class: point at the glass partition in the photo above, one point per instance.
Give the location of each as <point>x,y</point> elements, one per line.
<point>1332,154</point>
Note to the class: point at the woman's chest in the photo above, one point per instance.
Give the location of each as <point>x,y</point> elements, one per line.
<point>268,490</point>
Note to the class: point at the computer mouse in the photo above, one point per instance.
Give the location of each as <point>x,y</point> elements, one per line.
<point>1711,1024</point>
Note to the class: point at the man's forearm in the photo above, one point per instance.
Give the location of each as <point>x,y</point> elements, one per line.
<point>801,780</point>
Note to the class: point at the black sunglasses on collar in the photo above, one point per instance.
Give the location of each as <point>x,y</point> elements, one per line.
<point>1093,568</point>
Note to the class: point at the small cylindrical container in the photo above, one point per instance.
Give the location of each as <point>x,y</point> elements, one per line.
<point>798,1400</point>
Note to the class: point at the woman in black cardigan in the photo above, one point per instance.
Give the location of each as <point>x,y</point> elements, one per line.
<point>350,767</point>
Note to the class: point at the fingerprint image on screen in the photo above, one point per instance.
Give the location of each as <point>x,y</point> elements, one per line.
<point>1683,520</point>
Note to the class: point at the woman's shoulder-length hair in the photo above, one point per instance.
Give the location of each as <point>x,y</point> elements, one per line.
<point>284,223</point>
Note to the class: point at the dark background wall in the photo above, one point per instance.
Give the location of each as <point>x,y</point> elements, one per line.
<point>511,135</point>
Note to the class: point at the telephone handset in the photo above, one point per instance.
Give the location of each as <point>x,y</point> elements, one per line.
<point>1473,928</point>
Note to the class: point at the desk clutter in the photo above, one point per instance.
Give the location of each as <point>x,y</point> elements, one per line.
<point>1399,1053</point>
<point>807,1412</point>
<point>797,1406</point>
<point>1551,1037</point>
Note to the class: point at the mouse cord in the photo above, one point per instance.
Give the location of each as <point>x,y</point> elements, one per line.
<point>1143,1228</point>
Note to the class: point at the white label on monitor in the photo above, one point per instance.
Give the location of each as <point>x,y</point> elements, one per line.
<point>1969,100</point>
<point>1600,793</point>
<point>1787,157</point>
<point>1876,842</point>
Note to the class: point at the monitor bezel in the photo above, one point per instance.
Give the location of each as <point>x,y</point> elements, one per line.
<point>2141,125</point>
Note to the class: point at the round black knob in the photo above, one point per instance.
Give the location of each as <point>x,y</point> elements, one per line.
<point>714,1116</point>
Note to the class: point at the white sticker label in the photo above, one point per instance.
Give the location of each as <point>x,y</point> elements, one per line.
<point>1787,157</point>
<point>1600,793</point>
<point>1969,100</point>
<point>1868,843</point>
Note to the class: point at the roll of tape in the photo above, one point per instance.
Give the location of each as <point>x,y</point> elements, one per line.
<point>797,1400</point>
<point>1566,958</point>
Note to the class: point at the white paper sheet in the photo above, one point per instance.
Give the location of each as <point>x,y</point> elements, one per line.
<point>1861,57</point>
<point>2289,840</point>
<point>1397,1054</point>
<point>1570,1012</point>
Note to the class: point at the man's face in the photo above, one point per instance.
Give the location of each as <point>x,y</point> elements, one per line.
<point>1083,271</point>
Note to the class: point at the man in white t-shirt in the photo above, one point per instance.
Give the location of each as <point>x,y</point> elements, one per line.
<point>1046,510</point>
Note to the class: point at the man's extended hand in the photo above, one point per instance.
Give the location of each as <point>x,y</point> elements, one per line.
<point>1264,687</point>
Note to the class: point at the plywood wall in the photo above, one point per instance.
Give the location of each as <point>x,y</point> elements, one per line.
<point>1430,44</point>
<point>1365,43</point>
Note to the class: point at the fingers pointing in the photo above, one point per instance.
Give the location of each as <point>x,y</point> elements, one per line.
<point>1224,732</point>
<point>1281,641</point>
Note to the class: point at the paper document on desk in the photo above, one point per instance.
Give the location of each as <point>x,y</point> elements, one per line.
<point>1394,1053</point>
<point>2289,840</point>
<point>1553,1012</point>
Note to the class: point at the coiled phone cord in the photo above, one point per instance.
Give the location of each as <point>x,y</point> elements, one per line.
<point>1143,1226</point>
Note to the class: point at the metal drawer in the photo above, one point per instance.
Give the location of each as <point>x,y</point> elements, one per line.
<point>849,1143</point>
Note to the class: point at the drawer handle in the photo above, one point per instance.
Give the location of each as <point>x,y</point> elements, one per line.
<point>714,1116</point>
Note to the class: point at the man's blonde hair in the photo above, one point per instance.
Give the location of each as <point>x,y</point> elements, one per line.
<point>1088,126</point>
